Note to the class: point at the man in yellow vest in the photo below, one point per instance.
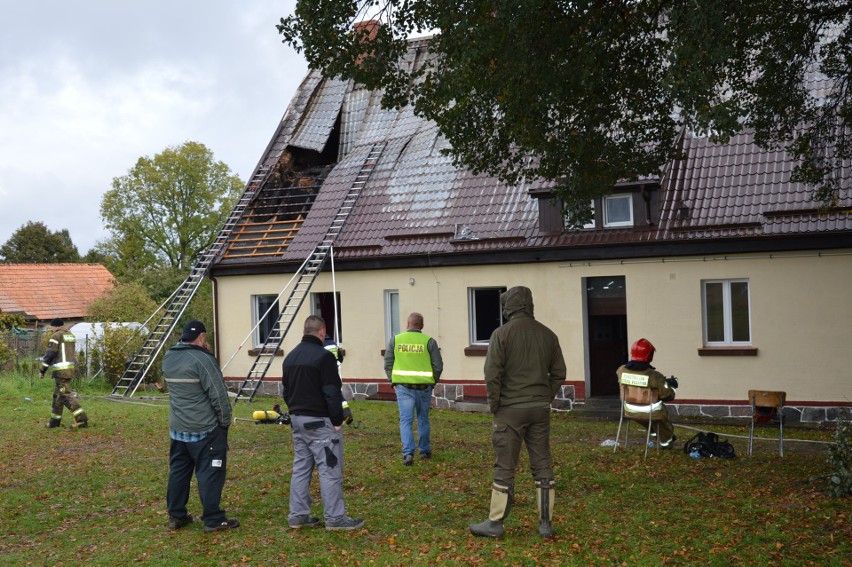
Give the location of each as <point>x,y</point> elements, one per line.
<point>413,365</point>
<point>61,357</point>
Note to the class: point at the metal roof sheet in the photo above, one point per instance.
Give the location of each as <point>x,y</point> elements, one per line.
<point>319,115</point>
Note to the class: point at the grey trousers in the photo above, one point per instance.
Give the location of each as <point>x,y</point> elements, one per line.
<point>316,444</point>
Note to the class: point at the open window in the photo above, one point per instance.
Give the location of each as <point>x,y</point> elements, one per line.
<point>327,306</point>
<point>484,312</point>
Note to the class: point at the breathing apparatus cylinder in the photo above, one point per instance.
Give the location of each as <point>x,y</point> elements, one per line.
<point>264,415</point>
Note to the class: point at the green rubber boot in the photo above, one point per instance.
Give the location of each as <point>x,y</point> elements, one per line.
<point>501,504</point>
<point>544,498</point>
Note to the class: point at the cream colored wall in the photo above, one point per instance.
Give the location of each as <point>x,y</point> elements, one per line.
<point>801,314</point>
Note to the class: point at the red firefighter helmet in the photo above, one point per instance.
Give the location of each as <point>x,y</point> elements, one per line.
<point>642,350</point>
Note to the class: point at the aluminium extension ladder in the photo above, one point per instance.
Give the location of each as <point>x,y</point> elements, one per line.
<point>141,362</point>
<point>304,279</point>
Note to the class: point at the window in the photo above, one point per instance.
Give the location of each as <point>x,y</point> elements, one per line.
<point>568,220</point>
<point>727,313</point>
<point>327,306</point>
<point>618,210</point>
<point>391,314</point>
<point>265,312</point>
<point>485,312</point>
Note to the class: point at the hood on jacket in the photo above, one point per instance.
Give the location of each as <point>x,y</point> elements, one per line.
<point>517,302</point>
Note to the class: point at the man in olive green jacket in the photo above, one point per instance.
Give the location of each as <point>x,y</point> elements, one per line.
<point>524,370</point>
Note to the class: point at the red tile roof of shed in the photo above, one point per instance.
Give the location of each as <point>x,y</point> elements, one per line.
<point>47,291</point>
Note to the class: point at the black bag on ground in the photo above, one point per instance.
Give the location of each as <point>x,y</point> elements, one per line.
<point>709,445</point>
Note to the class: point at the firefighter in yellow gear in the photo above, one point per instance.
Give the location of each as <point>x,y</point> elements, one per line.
<point>60,358</point>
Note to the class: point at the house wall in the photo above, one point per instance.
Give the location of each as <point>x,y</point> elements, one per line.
<point>800,313</point>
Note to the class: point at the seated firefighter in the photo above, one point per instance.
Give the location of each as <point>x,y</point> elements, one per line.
<point>639,372</point>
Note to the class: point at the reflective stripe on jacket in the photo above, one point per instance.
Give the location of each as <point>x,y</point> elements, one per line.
<point>198,397</point>
<point>648,378</point>
<point>61,351</point>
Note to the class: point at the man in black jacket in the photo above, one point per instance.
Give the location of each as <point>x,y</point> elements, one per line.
<point>312,390</point>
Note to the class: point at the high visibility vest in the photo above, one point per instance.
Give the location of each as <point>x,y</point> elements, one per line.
<point>412,363</point>
<point>334,349</point>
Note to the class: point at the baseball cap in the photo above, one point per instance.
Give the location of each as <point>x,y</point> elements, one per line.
<point>192,329</point>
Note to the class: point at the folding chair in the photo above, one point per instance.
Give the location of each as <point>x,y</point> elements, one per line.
<point>764,406</point>
<point>635,392</point>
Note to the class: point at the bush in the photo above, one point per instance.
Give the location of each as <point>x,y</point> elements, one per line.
<point>840,459</point>
<point>111,352</point>
<point>125,302</point>
<point>7,322</point>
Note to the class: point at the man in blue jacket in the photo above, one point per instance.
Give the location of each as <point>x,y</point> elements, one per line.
<point>312,390</point>
<point>199,416</point>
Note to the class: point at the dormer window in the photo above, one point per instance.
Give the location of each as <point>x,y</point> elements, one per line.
<point>618,210</point>
<point>632,205</point>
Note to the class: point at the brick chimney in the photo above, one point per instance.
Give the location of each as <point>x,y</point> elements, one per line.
<point>371,29</point>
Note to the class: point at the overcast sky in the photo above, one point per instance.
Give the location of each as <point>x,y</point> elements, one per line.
<point>89,86</point>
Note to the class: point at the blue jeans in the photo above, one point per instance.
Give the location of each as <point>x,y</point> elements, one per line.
<point>413,402</point>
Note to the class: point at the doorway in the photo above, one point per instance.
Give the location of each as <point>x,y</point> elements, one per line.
<point>327,306</point>
<point>606,320</point>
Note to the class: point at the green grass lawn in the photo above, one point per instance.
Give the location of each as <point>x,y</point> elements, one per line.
<point>97,496</point>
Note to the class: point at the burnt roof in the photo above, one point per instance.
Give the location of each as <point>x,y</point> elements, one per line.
<point>417,203</point>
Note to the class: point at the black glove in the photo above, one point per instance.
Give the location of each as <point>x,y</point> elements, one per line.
<point>347,414</point>
<point>671,382</point>
<point>41,373</point>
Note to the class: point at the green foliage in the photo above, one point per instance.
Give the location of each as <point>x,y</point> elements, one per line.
<point>111,351</point>
<point>124,302</point>
<point>840,460</point>
<point>167,209</point>
<point>6,352</point>
<point>7,322</point>
<point>588,93</point>
<point>10,320</point>
<point>111,479</point>
<point>33,243</point>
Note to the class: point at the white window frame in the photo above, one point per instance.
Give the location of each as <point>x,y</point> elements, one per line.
<point>727,313</point>
<point>257,314</point>
<point>606,204</point>
<point>472,307</point>
<point>392,321</point>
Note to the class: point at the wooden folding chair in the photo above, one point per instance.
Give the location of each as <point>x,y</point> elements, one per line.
<point>764,406</point>
<point>635,391</point>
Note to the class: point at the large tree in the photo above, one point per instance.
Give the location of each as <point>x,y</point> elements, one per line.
<point>589,92</point>
<point>34,243</point>
<point>166,211</point>
<point>124,302</point>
